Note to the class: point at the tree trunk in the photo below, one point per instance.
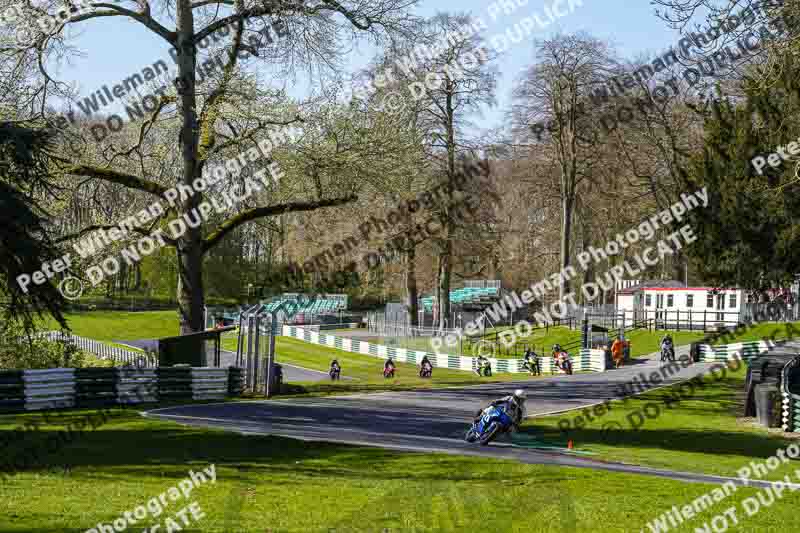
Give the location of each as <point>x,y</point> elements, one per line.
<point>588,274</point>
<point>445,259</point>
<point>566,231</point>
<point>445,268</point>
<point>190,245</point>
<point>190,289</point>
<point>412,296</point>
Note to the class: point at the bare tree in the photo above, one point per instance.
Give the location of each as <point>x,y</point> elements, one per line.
<point>555,91</point>
<point>206,125</point>
<point>451,74</point>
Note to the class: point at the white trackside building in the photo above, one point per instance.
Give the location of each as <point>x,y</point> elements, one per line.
<point>672,304</point>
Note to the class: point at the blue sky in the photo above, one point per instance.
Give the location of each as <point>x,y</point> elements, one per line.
<point>115,48</point>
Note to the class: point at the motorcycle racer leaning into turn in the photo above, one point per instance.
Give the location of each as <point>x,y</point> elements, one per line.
<point>514,406</point>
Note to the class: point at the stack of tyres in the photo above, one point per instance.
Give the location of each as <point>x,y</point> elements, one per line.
<point>96,387</point>
<point>136,385</point>
<point>235,381</point>
<point>174,383</point>
<point>12,391</point>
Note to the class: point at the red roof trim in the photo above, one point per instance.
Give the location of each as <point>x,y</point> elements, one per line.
<point>685,289</point>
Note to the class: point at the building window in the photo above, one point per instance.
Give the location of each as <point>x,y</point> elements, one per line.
<point>732,301</point>
<point>648,300</point>
<point>689,300</point>
<point>710,300</point>
<point>670,300</point>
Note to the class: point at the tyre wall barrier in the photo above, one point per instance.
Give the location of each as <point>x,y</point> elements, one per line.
<point>588,360</point>
<point>45,388</point>
<point>59,388</point>
<point>12,391</point>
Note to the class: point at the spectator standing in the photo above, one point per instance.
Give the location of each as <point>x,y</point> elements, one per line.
<point>617,352</point>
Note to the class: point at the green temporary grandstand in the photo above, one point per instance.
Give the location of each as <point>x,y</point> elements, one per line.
<point>308,304</point>
<point>466,296</point>
<point>301,308</point>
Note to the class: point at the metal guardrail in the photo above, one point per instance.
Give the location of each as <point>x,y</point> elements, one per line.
<point>104,351</point>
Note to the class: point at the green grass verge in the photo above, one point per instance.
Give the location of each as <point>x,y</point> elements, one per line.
<point>276,484</point>
<point>703,432</point>
<point>121,325</point>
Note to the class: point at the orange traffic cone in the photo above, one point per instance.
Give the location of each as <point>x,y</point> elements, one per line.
<point>569,444</point>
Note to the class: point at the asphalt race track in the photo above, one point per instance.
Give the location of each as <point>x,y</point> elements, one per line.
<point>430,420</point>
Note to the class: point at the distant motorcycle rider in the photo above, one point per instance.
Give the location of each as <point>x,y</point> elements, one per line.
<point>532,362</point>
<point>481,365</point>
<point>425,367</point>
<point>668,346</point>
<point>335,370</point>
<point>562,359</point>
<point>388,367</point>
<point>513,405</point>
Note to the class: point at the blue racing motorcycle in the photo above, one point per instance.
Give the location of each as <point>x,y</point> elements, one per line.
<point>493,421</point>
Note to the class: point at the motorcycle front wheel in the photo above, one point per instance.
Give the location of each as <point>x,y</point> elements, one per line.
<point>470,436</point>
<point>490,433</point>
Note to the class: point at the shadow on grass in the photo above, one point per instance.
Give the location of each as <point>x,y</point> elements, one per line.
<point>696,424</point>
<point>130,445</point>
<point>674,440</point>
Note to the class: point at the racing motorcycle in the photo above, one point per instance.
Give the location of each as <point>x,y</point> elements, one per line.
<point>493,421</point>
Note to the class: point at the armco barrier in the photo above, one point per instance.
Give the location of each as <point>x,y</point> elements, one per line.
<point>58,388</point>
<point>588,360</point>
<point>102,350</point>
<point>725,352</point>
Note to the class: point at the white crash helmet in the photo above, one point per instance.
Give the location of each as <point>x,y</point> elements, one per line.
<point>520,395</point>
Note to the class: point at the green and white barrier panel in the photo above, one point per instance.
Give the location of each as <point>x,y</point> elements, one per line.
<point>790,402</point>
<point>592,360</point>
<point>726,352</point>
<point>588,360</point>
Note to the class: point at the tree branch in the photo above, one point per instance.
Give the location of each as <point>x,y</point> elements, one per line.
<point>201,3</point>
<point>253,12</point>
<point>96,227</point>
<point>210,112</point>
<point>260,212</point>
<point>127,180</point>
<point>112,10</point>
